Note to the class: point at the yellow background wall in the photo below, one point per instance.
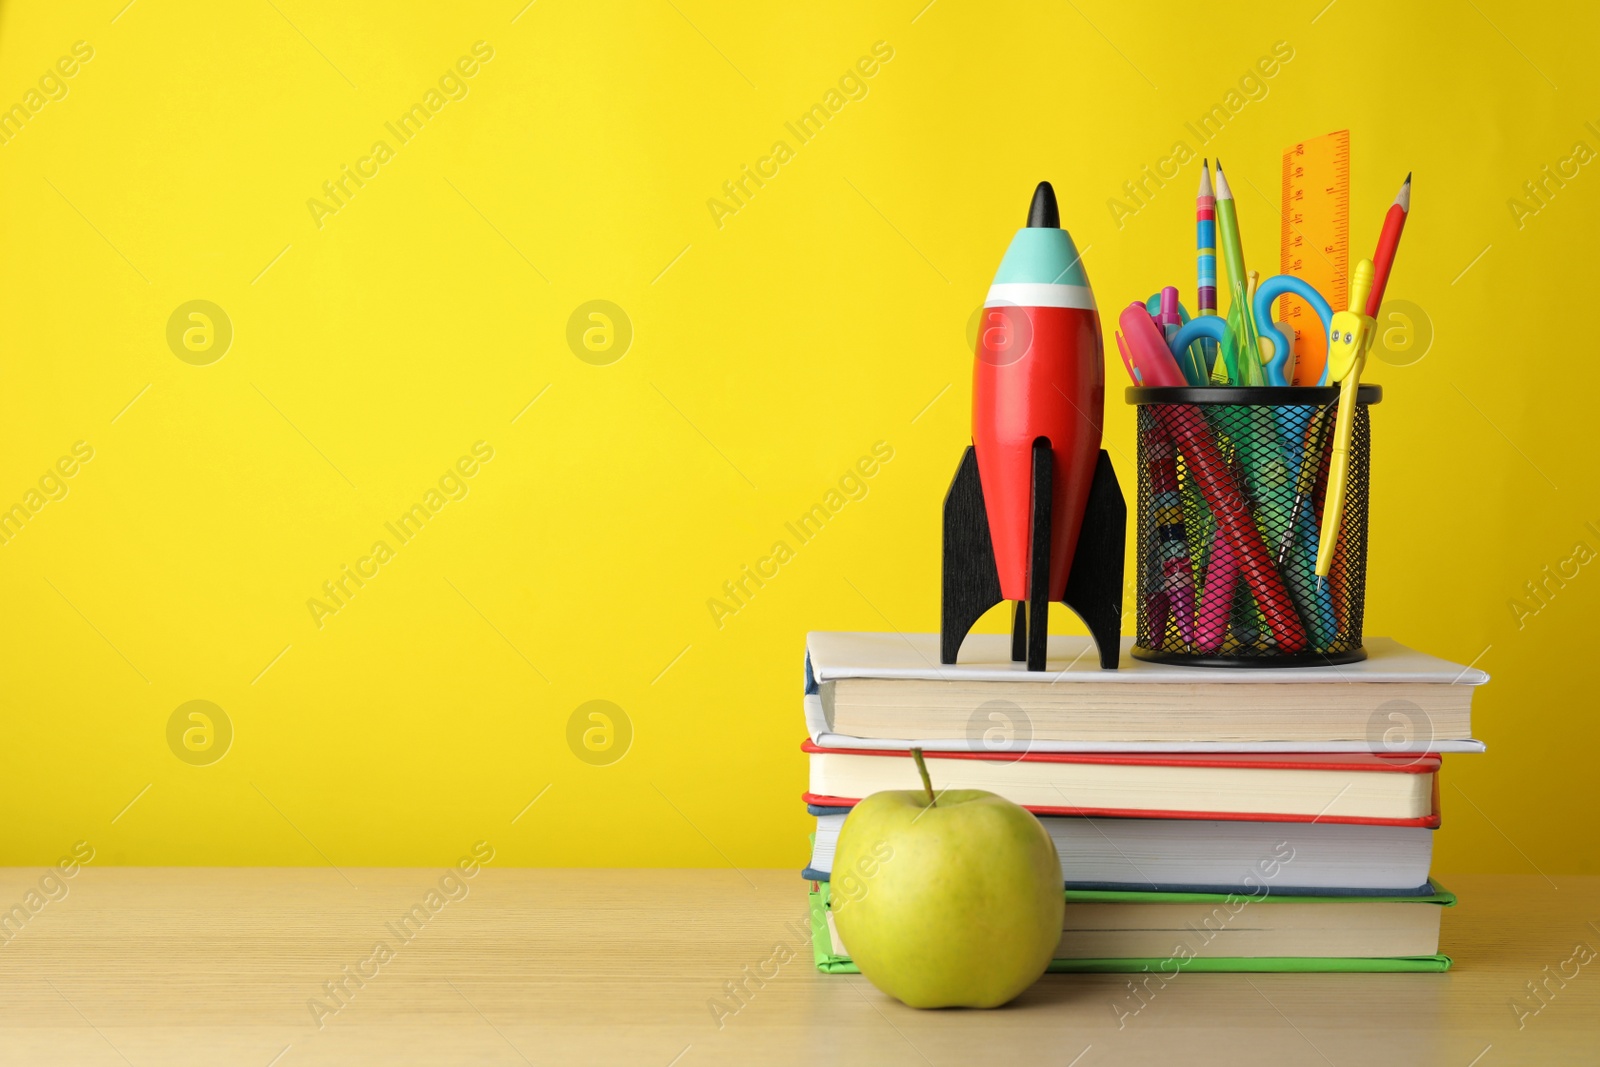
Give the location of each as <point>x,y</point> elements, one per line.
<point>771,348</point>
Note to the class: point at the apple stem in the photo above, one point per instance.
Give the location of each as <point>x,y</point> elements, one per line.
<point>927,783</point>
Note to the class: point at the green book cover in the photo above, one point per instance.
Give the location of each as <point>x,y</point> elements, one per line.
<point>830,963</point>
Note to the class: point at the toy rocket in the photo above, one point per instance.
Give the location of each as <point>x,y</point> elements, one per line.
<point>1035,513</point>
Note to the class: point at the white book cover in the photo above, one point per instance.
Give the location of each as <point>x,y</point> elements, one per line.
<point>987,658</point>
<point>832,656</point>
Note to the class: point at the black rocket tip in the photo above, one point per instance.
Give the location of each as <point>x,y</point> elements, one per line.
<point>1043,213</point>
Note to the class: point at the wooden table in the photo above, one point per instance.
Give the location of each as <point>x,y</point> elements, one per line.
<point>219,966</point>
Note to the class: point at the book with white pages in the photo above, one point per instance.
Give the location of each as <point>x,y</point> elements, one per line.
<point>888,691</point>
<point>1213,856</point>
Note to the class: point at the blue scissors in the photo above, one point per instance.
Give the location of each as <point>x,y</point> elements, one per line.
<point>1280,337</point>
<point>1210,327</point>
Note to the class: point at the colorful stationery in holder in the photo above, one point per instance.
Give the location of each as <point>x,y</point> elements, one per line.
<point>1252,491</point>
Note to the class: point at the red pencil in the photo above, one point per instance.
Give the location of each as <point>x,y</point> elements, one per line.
<point>1394,223</point>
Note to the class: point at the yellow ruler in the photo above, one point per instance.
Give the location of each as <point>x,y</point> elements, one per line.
<point>1315,242</point>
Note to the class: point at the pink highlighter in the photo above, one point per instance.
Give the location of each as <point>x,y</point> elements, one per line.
<point>1150,362</point>
<point>1244,555</point>
<point>1144,351</point>
<point>1216,606</point>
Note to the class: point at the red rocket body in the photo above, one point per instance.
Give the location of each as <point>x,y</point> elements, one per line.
<point>1039,372</point>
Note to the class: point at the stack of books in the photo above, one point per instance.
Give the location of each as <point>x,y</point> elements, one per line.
<point>1206,819</point>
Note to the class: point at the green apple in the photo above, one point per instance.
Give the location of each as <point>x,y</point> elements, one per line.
<point>944,901</point>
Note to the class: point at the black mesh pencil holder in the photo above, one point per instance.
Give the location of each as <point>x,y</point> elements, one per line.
<point>1232,488</point>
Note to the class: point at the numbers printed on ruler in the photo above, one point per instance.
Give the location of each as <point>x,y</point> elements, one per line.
<point>1314,242</point>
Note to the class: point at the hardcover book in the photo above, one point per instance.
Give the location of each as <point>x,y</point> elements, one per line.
<point>1310,787</point>
<point>1215,856</point>
<point>1168,933</point>
<point>869,690</point>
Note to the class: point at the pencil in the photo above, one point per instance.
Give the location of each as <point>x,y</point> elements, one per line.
<point>1394,224</point>
<point>1205,228</point>
<point>1241,321</point>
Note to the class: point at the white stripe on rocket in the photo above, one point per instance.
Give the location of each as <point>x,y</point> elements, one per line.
<point>1040,295</point>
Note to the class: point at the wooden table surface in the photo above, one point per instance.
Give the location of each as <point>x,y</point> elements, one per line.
<point>220,966</point>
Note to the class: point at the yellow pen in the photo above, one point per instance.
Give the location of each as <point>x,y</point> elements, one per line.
<point>1349,337</point>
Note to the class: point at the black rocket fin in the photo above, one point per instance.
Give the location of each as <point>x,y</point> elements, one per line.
<point>971,578</point>
<point>1094,585</point>
<point>1044,481</point>
<point>1019,631</point>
